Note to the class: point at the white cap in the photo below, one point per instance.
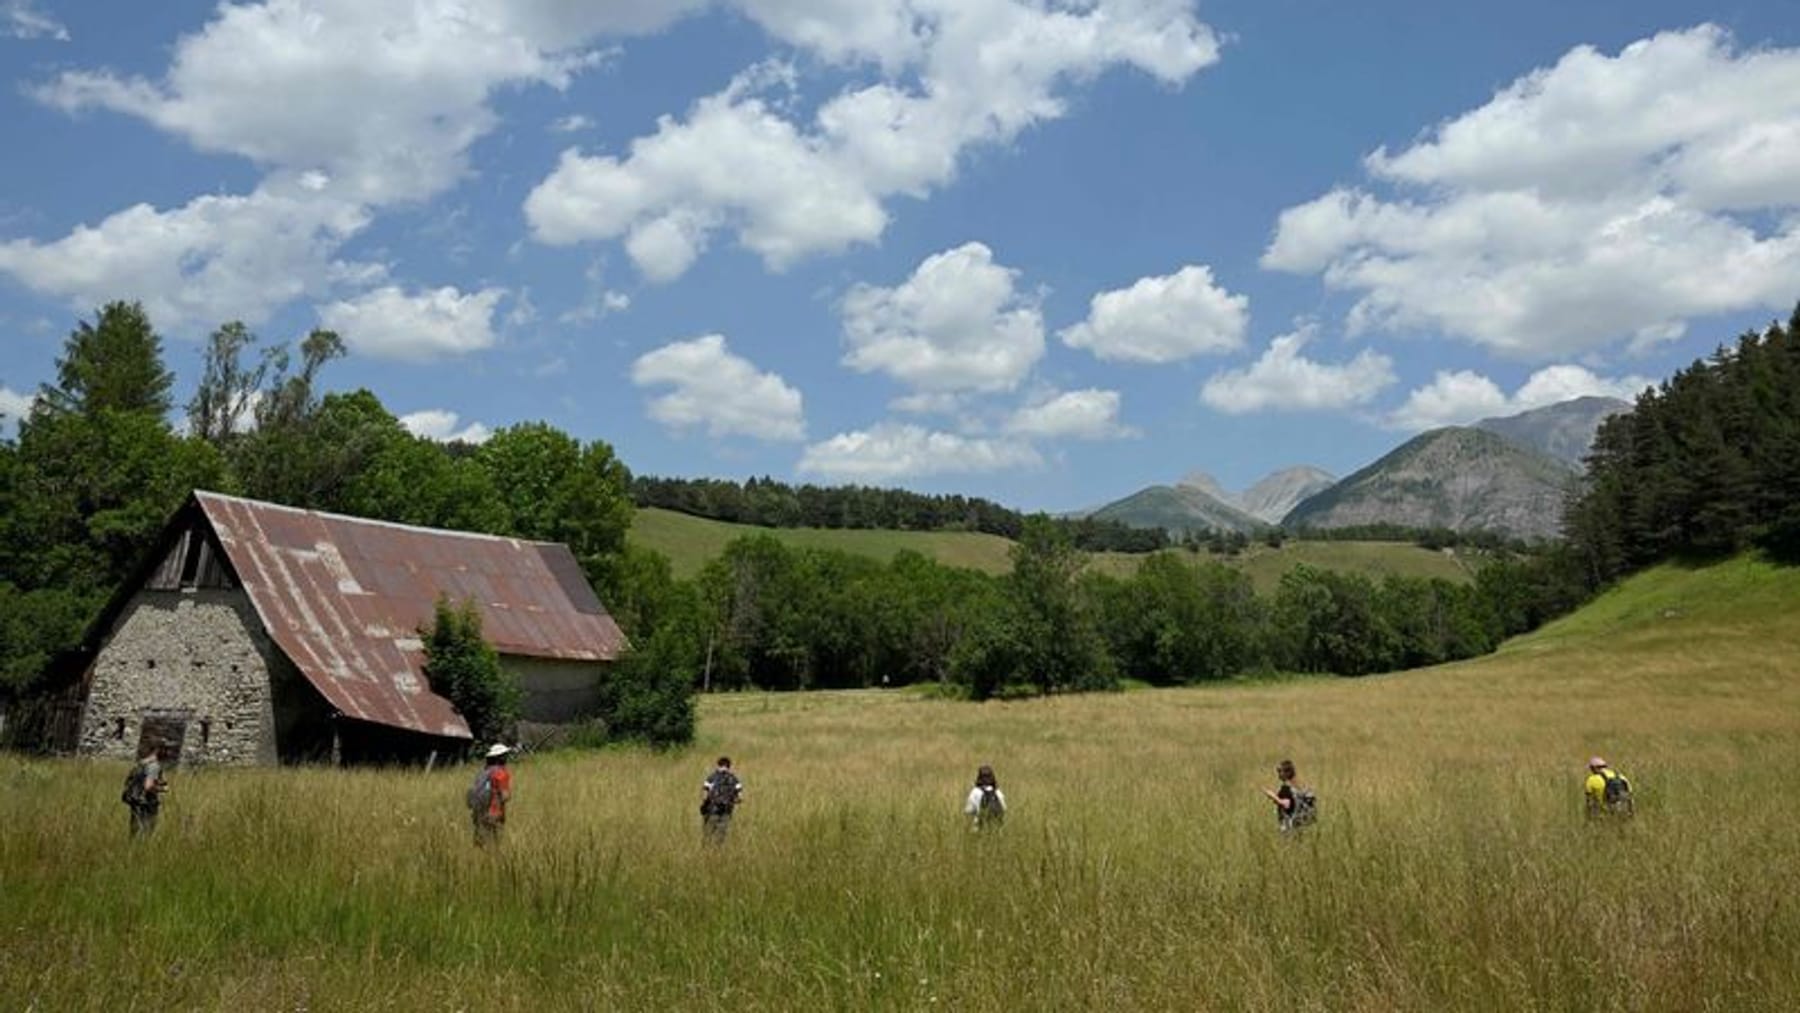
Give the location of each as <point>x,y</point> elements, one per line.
<point>498,749</point>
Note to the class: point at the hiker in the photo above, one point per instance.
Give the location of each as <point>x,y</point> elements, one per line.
<point>1607,791</point>
<point>986,805</point>
<point>1295,807</point>
<point>720,794</point>
<point>144,789</point>
<point>490,795</point>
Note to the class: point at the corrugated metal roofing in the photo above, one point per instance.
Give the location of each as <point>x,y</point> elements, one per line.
<point>344,598</point>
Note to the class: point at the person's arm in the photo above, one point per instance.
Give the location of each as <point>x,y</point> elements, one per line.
<point>972,804</point>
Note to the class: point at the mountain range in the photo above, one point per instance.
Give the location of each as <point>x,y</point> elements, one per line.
<point>1508,474</point>
<point>1564,431</point>
<point>1464,479</point>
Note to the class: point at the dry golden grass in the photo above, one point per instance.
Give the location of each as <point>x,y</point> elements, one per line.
<point>1139,868</point>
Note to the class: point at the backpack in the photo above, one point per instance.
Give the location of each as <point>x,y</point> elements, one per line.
<point>134,794</point>
<point>721,794</point>
<point>481,793</point>
<point>1305,810</point>
<point>1618,792</point>
<point>990,809</point>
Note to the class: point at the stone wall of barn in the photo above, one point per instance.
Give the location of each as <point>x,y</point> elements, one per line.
<point>196,660</point>
<point>556,691</point>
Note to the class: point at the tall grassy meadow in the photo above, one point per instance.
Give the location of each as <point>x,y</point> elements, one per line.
<point>1139,867</point>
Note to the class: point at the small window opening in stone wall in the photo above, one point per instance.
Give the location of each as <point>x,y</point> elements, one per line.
<point>149,662</point>
<point>205,732</point>
<point>119,728</point>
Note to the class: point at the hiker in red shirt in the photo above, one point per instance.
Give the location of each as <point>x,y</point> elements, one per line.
<point>489,796</point>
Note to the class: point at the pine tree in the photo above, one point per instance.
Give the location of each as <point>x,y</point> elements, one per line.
<point>113,364</point>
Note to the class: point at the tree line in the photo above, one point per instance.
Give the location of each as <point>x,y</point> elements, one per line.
<point>768,616</point>
<point>1706,464</point>
<point>1709,462</point>
<point>768,503</point>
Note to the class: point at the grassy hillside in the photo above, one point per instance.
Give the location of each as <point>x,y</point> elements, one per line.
<point>690,541</point>
<point>1139,868</point>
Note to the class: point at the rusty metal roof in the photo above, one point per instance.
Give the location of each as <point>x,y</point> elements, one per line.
<point>345,597</point>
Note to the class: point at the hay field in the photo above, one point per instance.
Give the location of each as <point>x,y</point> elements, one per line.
<point>1139,868</point>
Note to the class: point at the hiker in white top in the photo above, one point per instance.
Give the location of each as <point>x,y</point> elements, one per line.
<point>986,805</point>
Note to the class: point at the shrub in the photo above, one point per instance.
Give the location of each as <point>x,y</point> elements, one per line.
<point>464,669</point>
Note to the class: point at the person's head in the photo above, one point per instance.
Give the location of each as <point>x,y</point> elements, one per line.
<point>153,751</point>
<point>724,763</point>
<point>1285,770</point>
<point>496,754</point>
<point>984,777</point>
<point>1596,763</point>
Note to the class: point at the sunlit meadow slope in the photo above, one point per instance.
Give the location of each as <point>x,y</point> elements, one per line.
<point>691,542</point>
<point>1139,868</point>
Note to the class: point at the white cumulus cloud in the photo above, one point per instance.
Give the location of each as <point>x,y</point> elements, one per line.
<point>211,260</point>
<point>721,392</point>
<point>1163,319</point>
<point>949,75</point>
<point>958,324</point>
<point>1285,380</point>
<point>390,323</point>
<point>383,99</point>
<point>1602,200</point>
<point>1462,396</point>
<point>887,451</point>
<point>1089,414</point>
<point>348,107</point>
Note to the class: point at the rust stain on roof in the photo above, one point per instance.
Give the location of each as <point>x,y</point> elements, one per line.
<point>344,598</point>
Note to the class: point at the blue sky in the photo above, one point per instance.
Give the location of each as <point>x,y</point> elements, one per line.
<point>1045,251</point>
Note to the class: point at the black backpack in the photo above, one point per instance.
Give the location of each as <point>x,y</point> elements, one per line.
<point>721,794</point>
<point>134,794</point>
<point>1618,792</point>
<point>990,810</point>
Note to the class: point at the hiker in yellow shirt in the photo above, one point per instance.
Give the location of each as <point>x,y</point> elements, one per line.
<point>1608,792</point>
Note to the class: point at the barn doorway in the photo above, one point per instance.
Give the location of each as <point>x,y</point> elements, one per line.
<point>167,729</point>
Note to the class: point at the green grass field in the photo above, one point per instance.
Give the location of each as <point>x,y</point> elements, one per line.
<point>1139,869</point>
<point>690,542</point>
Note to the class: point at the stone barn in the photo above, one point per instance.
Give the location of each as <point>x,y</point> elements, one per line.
<point>258,633</point>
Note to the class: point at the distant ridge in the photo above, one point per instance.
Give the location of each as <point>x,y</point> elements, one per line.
<point>1564,431</point>
<point>1199,503</point>
<point>1178,508</point>
<point>1278,494</point>
<point>1464,479</point>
